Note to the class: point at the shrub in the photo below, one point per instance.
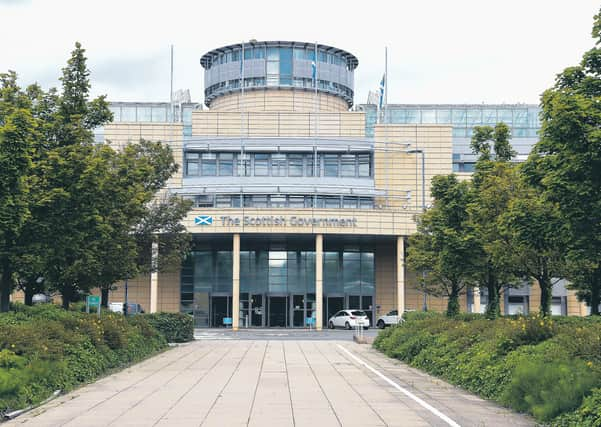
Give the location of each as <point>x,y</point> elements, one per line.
<point>532,364</point>
<point>547,390</point>
<point>175,327</point>
<point>587,415</point>
<point>45,348</point>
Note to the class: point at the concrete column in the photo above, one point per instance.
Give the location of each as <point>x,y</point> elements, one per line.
<point>236,282</point>
<point>476,305</point>
<point>318,281</point>
<point>400,274</point>
<point>154,278</point>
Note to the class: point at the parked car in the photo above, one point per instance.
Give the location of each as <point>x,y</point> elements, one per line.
<point>390,318</point>
<point>132,308</point>
<point>349,319</point>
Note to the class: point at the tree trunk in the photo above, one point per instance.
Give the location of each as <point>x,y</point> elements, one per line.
<point>5,286</point>
<point>67,295</point>
<point>453,304</point>
<point>28,291</point>
<point>104,296</point>
<point>493,308</point>
<point>595,296</point>
<point>546,290</point>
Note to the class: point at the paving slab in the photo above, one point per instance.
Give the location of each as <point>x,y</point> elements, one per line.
<point>271,380</point>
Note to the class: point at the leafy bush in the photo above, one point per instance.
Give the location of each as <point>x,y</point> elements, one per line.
<point>537,365</point>
<point>175,327</point>
<point>588,415</point>
<point>548,390</point>
<point>45,348</point>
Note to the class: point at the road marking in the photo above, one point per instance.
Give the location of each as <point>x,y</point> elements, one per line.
<point>402,390</point>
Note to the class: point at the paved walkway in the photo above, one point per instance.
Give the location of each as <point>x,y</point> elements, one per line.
<point>270,383</point>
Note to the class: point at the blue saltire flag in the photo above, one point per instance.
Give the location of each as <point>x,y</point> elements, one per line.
<point>382,84</point>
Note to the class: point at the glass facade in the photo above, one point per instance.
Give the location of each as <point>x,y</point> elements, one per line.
<point>272,273</point>
<point>279,165</point>
<point>295,201</point>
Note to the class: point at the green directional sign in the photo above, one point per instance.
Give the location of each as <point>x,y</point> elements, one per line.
<point>93,300</point>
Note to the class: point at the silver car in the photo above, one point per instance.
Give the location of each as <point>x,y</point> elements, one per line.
<point>349,319</point>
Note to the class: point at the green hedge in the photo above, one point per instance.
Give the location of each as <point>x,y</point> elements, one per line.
<point>175,327</point>
<point>546,367</point>
<point>45,348</point>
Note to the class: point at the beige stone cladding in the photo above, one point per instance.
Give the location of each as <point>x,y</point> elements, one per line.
<point>386,290</point>
<point>278,124</point>
<point>169,291</point>
<point>117,135</point>
<point>138,291</point>
<point>397,172</point>
<point>279,100</point>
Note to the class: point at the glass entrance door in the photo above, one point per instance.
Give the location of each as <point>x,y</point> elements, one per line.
<point>278,311</point>
<point>257,310</point>
<point>221,306</point>
<point>298,311</point>
<point>334,304</point>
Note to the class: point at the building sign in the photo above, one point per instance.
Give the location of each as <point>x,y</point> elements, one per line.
<point>282,221</point>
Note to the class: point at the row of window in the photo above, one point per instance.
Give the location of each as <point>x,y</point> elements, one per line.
<point>514,117</point>
<point>278,80</point>
<point>154,113</point>
<point>273,53</point>
<point>280,201</point>
<point>279,164</point>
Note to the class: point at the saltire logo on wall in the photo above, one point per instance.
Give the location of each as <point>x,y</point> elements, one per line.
<point>203,220</point>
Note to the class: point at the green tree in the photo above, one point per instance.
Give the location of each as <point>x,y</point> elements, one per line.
<point>565,165</point>
<point>493,184</point>
<point>17,133</point>
<point>445,245</point>
<point>533,230</point>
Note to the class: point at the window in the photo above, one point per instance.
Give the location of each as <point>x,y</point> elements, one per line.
<point>489,117</point>
<point>428,116</point>
<point>259,52</point>
<point>223,201</point>
<point>330,165</point>
<point>285,66</point>
<point>204,201</point>
<point>459,117</point>
<point>192,164</point>
<point>295,165</point>
<point>261,164</point>
<point>296,201</point>
<point>322,56</point>
<point>248,53</point>
<point>349,202</point>
<point>144,114</point>
<point>443,116</point>
<point>347,165</point>
<point>278,165</point>
<point>506,117</point>
<point>474,117</point>
<point>332,202</point>
<point>209,164</point>
<point>259,201</point>
<point>366,203</point>
<point>128,114</point>
<point>244,166</point>
<point>226,164</point>
<point>364,161</point>
<point>313,165</point>
<point>278,201</point>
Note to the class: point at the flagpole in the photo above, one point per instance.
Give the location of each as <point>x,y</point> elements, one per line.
<point>242,91</point>
<point>385,82</point>
<point>316,96</point>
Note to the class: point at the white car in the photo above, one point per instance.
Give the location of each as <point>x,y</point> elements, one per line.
<point>349,319</point>
<point>391,318</point>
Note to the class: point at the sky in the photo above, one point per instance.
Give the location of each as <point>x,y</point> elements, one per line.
<point>439,51</point>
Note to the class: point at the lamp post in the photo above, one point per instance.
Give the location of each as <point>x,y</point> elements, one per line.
<point>420,151</point>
